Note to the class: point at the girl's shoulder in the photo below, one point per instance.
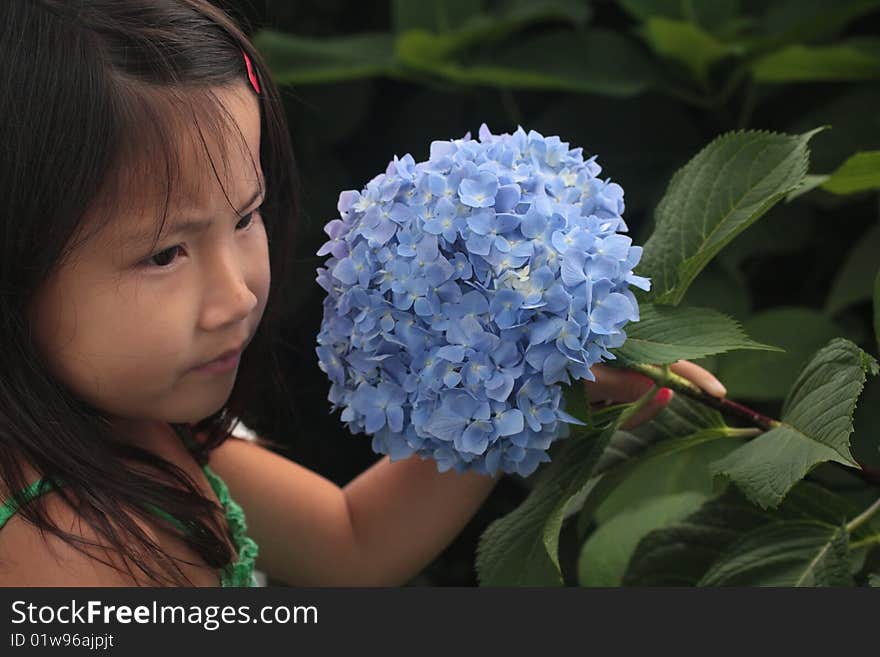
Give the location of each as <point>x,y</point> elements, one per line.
<point>30,556</point>
<point>33,557</point>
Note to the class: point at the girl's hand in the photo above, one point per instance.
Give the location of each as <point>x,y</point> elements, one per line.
<point>613,385</point>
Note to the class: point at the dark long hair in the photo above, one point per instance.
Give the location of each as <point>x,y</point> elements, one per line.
<point>91,95</point>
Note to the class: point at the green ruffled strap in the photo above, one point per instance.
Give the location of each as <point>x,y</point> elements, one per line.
<point>241,572</point>
<point>37,488</point>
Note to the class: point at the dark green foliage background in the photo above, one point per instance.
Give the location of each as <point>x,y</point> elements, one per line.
<point>345,132</point>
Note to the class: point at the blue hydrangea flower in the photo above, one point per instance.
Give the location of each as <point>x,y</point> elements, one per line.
<point>464,291</point>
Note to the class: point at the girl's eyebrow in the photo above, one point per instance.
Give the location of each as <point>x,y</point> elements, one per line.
<point>191,225</point>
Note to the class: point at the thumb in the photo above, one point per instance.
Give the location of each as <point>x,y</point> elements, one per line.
<point>617,385</point>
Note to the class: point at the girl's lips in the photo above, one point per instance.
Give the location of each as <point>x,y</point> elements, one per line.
<point>223,364</point>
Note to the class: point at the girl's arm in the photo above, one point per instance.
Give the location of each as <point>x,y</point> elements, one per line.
<point>381,529</point>
<point>404,514</point>
<point>392,520</point>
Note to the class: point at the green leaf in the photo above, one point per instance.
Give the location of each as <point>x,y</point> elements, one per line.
<point>681,416</point>
<point>783,553</point>
<point>808,184</point>
<point>860,173</point>
<point>853,60</point>
<point>816,425</point>
<point>683,425</point>
<point>714,197</point>
<point>433,15</point>
<point>810,501</point>
<point>855,281</point>
<point>791,21</point>
<point>874,579</point>
<point>307,60</point>
<point>687,44</point>
<point>858,555</point>
<point>645,10</point>
<point>877,310</point>
<point>667,482</point>
<point>665,335</point>
<point>769,376</point>
<point>561,60</point>
<point>574,400</point>
<point>681,554</point>
<point>591,497</point>
<point>522,548</point>
<point>575,12</point>
<point>680,420</point>
<point>707,14</point>
<point>676,465</point>
<point>604,556</point>
<point>425,50</point>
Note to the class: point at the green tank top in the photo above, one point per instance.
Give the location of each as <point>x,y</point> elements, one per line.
<point>238,573</point>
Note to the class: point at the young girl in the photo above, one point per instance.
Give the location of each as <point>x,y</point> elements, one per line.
<point>147,184</point>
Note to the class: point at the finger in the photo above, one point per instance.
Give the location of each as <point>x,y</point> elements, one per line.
<point>651,410</point>
<point>616,385</point>
<point>700,376</point>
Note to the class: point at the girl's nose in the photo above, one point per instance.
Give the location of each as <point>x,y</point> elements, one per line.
<point>229,299</point>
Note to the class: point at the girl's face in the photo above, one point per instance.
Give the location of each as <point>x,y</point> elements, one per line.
<point>124,326</point>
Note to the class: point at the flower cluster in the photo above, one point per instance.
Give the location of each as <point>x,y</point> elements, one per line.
<point>462,291</point>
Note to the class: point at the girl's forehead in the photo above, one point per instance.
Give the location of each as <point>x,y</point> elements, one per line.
<point>202,173</point>
<point>196,202</point>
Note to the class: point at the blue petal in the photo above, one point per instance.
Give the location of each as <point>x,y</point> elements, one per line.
<point>452,353</point>
<point>509,422</point>
<point>480,244</point>
<point>545,330</point>
<point>395,418</point>
<point>463,405</point>
<point>346,271</point>
<point>481,222</point>
<point>507,197</point>
<point>374,419</point>
<point>573,267</point>
<point>493,460</point>
<point>570,419</point>
<point>475,438</point>
<point>445,424</point>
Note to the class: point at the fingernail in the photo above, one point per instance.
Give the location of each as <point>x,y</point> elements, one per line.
<point>663,396</point>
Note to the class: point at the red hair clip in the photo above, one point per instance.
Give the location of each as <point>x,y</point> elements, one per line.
<point>252,76</point>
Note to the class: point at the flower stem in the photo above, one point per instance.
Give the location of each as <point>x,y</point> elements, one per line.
<point>663,377</point>
<point>863,517</point>
<point>744,432</point>
<point>871,540</point>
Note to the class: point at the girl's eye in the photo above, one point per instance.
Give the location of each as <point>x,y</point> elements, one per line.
<point>160,260</point>
<point>161,256</point>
